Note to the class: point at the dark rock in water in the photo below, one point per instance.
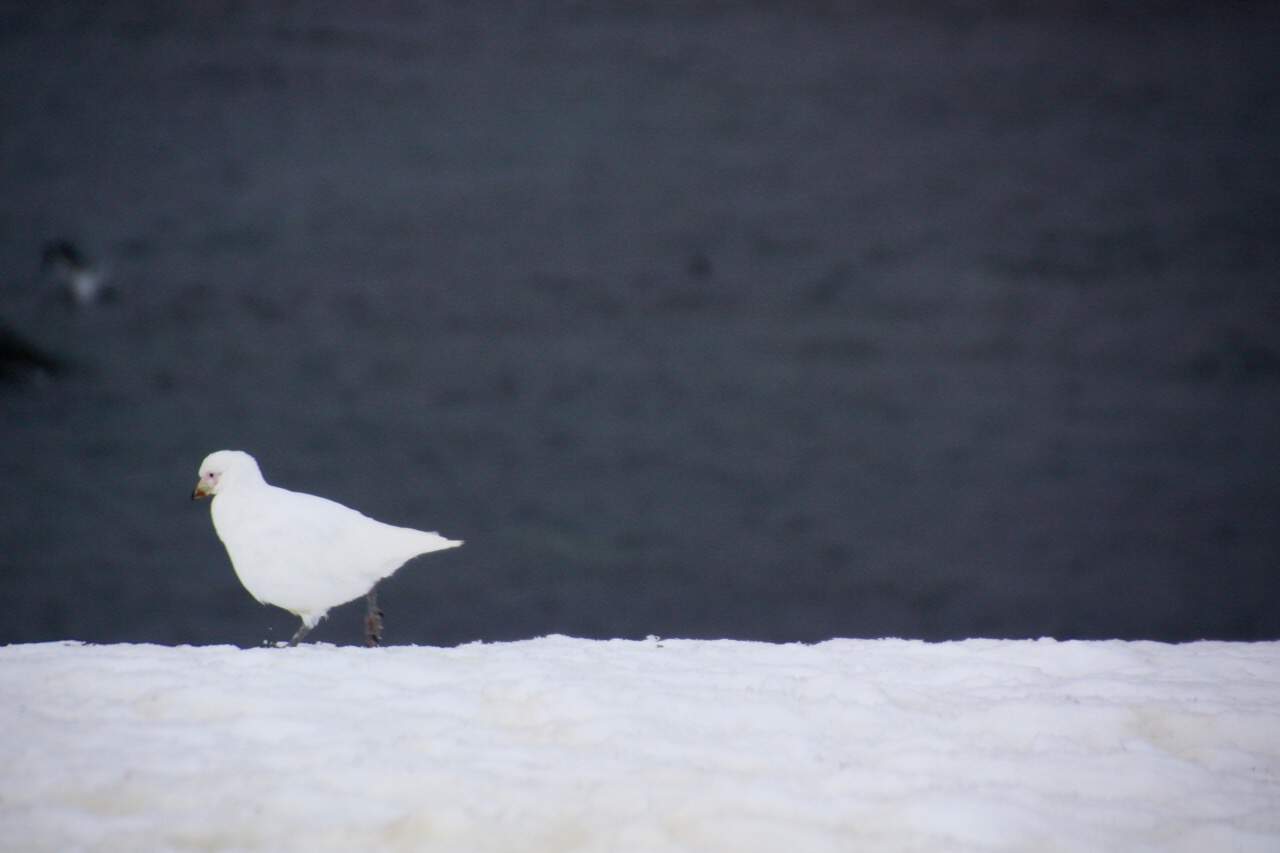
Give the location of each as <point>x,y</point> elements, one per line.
<point>22,361</point>
<point>830,287</point>
<point>699,266</point>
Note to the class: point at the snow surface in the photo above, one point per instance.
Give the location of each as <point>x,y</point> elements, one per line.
<point>567,744</point>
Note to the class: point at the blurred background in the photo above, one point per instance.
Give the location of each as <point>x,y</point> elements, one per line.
<point>765,320</point>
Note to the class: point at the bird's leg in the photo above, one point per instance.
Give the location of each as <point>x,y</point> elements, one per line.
<point>302,631</point>
<point>372,619</point>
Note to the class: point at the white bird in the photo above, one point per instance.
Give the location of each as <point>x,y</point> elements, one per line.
<point>300,552</point>
<point>82,282</point>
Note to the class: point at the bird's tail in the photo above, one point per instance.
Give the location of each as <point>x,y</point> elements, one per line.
<point>426,542</point>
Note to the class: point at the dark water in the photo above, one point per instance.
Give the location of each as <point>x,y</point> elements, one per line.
<point>769,321</point>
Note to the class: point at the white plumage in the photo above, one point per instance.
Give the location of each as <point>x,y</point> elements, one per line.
<point>82,282</point>
<point>300,552</point>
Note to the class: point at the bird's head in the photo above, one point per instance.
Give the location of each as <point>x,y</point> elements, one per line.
<point>222,469</point>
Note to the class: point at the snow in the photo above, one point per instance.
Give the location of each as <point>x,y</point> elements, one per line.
<point>567,744</point>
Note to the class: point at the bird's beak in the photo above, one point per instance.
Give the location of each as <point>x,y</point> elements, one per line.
<point>201,491</point>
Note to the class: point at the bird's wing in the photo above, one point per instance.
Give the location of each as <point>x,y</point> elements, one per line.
<point>340,542</point>
<point>308,554</point>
